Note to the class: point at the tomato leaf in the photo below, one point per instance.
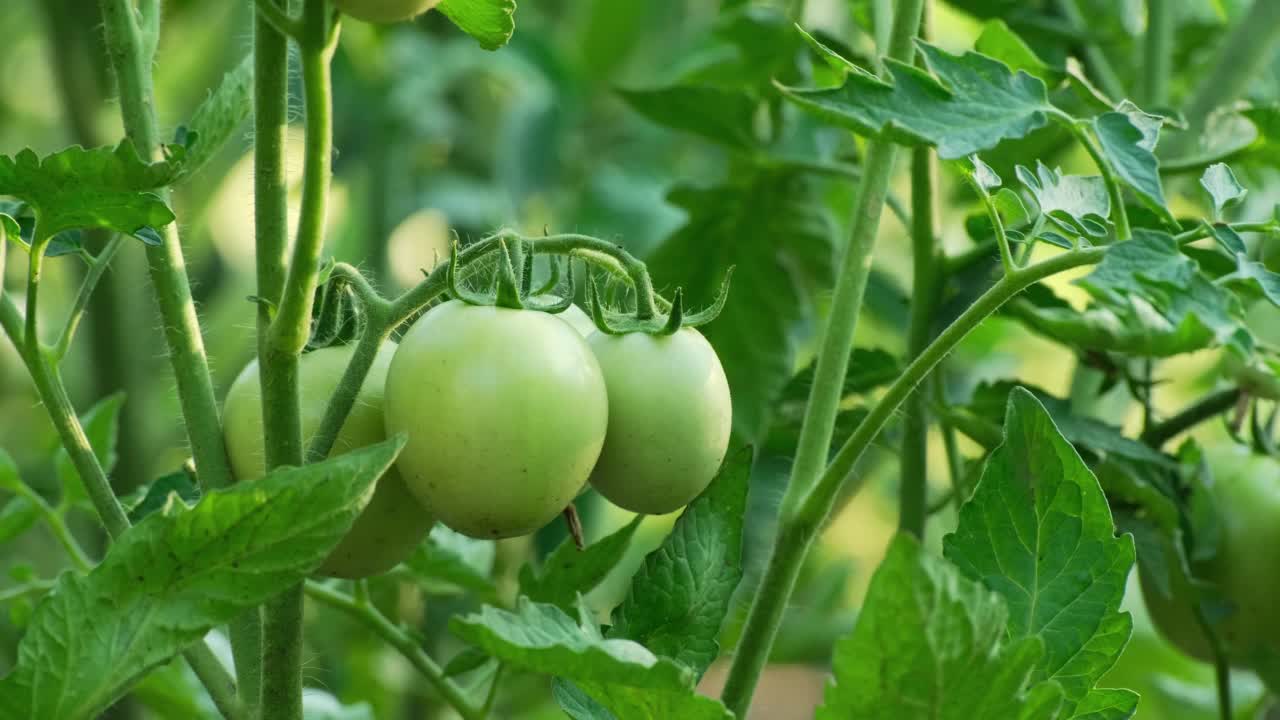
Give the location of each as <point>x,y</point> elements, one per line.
<point>1038,531</point>
<point>970,103</point>
<point>77,188</point>
<point>568,571</point>
<point>171,578</point>
<point>490,22</point>
<point>1222,186</point>
<point>153,496</point>
<point>723,116</point>
<point>449,561</point>
<point>1003,44</point>
<point>621,675</point>
<point>101,424</point>
<point>680,595</point>
<point>1078,204</point>
<point>1128,141</point>
<point>930,643</point>
<point>218,117</point>
<point>16,517</point>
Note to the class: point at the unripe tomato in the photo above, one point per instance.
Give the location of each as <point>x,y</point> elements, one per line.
<point>578,319</point>
<point>505,412</point>
<point>669,419</point>
<point>393,523</point>
<point>385,11</point>
<point>1246,569</point>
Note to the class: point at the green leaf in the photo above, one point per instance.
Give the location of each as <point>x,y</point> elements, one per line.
<point>77,188</point>
<point>680,595</point>
<point>1222,186</point>
<point>171,578</point>
<point>931,645</point>
<point>1038,531</point>
<point>621,675</point>
<point>16,517</point>
<point>1107,704</point>
<point>1003,44</point>
<point>466,661</point>
<point>490,22</point>
<point>721,115</point>
<point>155,495</point>
<point>969,104</point>
<point>101,424</point>
<point>568,571</point>
<point>449,561</point>
<point>1255,275</point>
<point>9,479</point>
<point>219,116</point>
<point>1227,238</point>
<point>1129,148</point>
<point>833,59</point>
<point>869,368</point>
<point>769,314</point>
<point>1078,204</point>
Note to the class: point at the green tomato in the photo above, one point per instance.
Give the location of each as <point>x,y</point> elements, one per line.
<point>578,319</point>
<point>385,11</point>
<point>1246,568</point>
<point>505,412</point>
<point>393,523</point>
<point>669,419</point>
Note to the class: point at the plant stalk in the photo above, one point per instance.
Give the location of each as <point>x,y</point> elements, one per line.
<point>1158,66</point>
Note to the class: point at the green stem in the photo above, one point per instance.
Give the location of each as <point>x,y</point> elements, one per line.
<point>1158,65</point>
<point>1241,54</point>
<point>824,397</point>
<point>1203,409</point>
<point>955,461</point>
<point>58,526</point>
<point>1221,663</point>
<point>798,529</point>
<point>1104,74</point>
<point>1118,212</point>
<point>87,285</point>
<point>914,466</point>
<point>167,267</point>
<point>1202,231</point>
<point>402,642</point>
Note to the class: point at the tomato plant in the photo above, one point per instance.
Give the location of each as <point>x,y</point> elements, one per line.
<point>940,336</point>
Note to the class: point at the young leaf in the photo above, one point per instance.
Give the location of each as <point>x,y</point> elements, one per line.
<point>931,644</point>
<point>969,104</point>
<point>1079,204</point>
<point>490,22</point>
<point>833,59</point>
<point>155,495</point>
<point>16,517</point>
<point>721,115</point>
<point>1129,148</point>
<point>168,580</point>
<point>569,572</point>
<point>621,675</point>
<point>449,561</point>
<point>1222,186</point>
<point>100,188</point>
<point>1003,44</point>
<point>101,424</point>
<point>1038,531</point>
<point>680,595</point>
<point>219,116</point>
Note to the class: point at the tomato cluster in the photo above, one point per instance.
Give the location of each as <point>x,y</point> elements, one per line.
<point>509,413</point>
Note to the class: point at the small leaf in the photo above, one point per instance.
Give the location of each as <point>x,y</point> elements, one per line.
<point>219,116</point>
<point>569,572</point>
<point>9,479</point>
<point>1128,148</point>
<point>1227,238</point>
<point>167,581</point>
<point>16,517</point>
<point>833,59</point>
<point>1222,186</point>
<point>148,235</point>
<point>724,116</point>
<point>490,22</point>
<point>101,424</point>
<point>623,676</point>
<point>154,496</point>
<point>969,104</point>
<point>449,561</point>
<point>466,661</point>
<point>1078,204</point>
<point>680,595</point>
<point>982,173</point>
<point>1003,44</point>
<point>931,644</point>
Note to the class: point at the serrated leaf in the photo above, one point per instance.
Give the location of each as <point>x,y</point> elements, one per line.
<point>1107,704</point>
<point>490,22</point>
<point>101,424</point>
<point>568,572</point>
<point>1079,204</point>
<point>721,115</point>
<point>168,580</point>
<point>76,188</point>
<point>219,116</point>
<point>1038,531</point>
<point>833,59</point>
<point>1222,186</point>
<point>680,595</point>
<point>1128,148</point>
<point>623,676</point>
<point>970,103</point>
<point>16,517</point>
<point>930,644</point>
<point>769,313</point>
<point>155,495</point>
<point>986,178</point>
<point>1003,44</point>
<point>449,561</point>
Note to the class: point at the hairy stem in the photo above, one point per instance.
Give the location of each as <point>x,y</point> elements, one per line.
<point>824,398</point>
<point>1203,409</point>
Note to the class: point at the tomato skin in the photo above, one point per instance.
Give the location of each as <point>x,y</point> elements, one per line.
<point>578,319</point>
<point>393,523</point>
<point>505,411</point>
<point>1246,570</point>
<point>670,417</point>
<point>385,11</point>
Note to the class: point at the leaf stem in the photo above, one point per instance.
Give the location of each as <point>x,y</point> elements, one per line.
<point>1201,410</point>
<point>824,397</point>
<point>58,526</point>
<point>1118,211</point>
<point>401,641</point>
<point>1158,65</point>
<point>87,286</point>
<point>1200,232</point>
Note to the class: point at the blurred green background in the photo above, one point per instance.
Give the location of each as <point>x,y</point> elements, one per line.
<point>435,136</point>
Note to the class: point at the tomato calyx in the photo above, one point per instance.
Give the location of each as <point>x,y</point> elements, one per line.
<point>676,317</point>
<point>508,290</point>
